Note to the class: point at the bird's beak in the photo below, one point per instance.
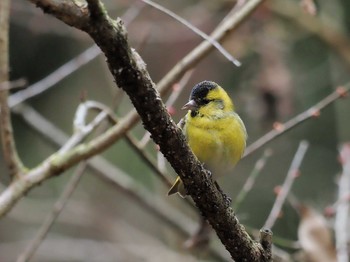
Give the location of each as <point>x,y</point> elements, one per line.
<point>191,105</point>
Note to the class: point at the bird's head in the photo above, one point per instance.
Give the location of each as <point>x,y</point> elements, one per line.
<point>208,98</point>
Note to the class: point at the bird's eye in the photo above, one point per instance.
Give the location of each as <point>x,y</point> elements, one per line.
<point>205,101</point>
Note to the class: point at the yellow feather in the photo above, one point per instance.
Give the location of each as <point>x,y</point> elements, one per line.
<point>214,132</point>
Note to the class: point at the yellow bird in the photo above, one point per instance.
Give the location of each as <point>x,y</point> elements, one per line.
<point>214,131</point>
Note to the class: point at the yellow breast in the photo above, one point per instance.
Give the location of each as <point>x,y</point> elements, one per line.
<point>217,142</point>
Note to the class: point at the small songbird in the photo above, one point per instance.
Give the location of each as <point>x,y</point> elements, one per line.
<point>214,131</point>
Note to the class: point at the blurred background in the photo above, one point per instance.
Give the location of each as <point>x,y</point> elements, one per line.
<point>292,57</point>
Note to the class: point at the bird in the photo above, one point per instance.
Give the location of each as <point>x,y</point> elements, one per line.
<point>213,130</point>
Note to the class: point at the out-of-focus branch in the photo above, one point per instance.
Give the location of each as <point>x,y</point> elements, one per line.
<point>342,221</point>
<point>177,90</point>
<point>9,85</point>
<point>314,111</point>
<point>112,175</point>
<point>68,68</point>
<point>287,185</point>
<point>12,159</point>
<point>52,216</point>
<point>55,77</point>
<point>221,32</point>
<point>130,74</point>
<point>248,185</point>
<point>196,30</point>
<point>330,35</point>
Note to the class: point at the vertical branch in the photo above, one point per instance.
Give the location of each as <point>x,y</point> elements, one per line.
<point>52,216</point>
<point>293,170</point>
<point>248,185</point>
<point>342,214</point>
<point>8,144</point>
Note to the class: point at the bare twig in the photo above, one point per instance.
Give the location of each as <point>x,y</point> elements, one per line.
<point>10,85</point>
<point>81,129</point>
<point>177,90</point>
<point>12,160</point>
<point>130,73</point>
<point>330,35</point>
<point>248,185</point>
<point>342,221</point>
<point>288,182</point>
<point>116,177</point>
<point>223,30</point>
<point>195,30</point>
<point>314,111</point>
<point>68,68</point>
<point>265,239</point>
<point>55,77</point>
<point>105,111</point>
<point>142,153</point>
<point>52,216</point>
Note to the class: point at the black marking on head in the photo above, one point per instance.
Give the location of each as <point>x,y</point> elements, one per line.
<point>200,91</point>
<point>194,113</point>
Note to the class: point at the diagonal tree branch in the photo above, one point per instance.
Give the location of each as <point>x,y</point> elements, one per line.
<point>154,204</point>
<point>196,30</point>
<point>130,74</point>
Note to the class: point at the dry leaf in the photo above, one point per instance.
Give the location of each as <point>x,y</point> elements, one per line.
<point>315,236</point>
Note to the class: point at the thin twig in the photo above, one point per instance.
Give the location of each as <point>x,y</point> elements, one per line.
<point>146,158</point>
<point>81,129</point>
<point>325,31</point>
<point>53,215</point>
<point>288,182</point>
<point>10,85</point>
<point>112,175</point>
<point>131,75</point>
<point>223,30</point>
<point>70,67</point>
<point>175,94</point>
<point>248,185</point>
<point>107,112</point>
<point>342,220</point>
<point>314,111</point>
<point>196,30</point>
<point>55,77</point>
<point>12,160</point>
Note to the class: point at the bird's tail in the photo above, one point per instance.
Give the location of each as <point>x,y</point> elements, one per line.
<point>177,187</point>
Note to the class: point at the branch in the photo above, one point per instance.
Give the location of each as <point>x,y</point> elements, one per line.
<point>312,112</point>
<point>69,67</point>
<point>249,183</point>
<point>12,159</point>
<point>342,214</point>
<point>130,74</point>
<point>325,31</point>
<point>52,216</point>
<point>20,83</point>
<point>196,30</point>
<point>221,32</point>
<point>55,77</point>
<point>288,182</point>
<point>116,177</point>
